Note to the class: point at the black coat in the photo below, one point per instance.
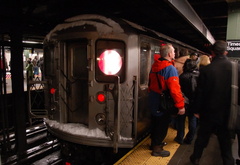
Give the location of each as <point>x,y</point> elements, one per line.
<point>214,91</point>
<point>188,82</point>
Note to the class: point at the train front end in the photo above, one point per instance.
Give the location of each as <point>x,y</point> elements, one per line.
<point>92,94</point>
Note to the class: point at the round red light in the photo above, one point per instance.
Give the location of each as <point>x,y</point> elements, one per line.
<point>110,62</point>
<point>101,97</point>
<point>52,90</point>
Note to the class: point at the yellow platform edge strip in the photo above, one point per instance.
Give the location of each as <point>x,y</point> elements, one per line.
<point>141,155</point>
<point>131,151</point>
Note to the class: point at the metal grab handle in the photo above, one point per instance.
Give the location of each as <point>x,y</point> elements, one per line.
<point>116,114</point>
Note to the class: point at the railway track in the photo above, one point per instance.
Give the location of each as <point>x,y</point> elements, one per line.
<point>44,149</point>
<point>40,146</point>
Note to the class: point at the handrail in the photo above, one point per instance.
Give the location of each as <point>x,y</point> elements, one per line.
<point>116,114</point>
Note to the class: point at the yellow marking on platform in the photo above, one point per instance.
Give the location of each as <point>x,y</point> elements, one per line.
<point>141,155</point>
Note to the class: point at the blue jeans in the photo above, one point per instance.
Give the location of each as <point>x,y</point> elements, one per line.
<point>192,124</point>
<point>35,70</point>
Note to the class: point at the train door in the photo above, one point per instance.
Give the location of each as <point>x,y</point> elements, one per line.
<point>77,81</point>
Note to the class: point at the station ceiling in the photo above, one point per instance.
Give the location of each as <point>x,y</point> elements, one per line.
<point>35,18</point>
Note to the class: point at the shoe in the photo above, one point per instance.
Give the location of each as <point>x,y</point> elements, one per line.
<point>194,160</point>
<point>178,141</point>
<point>159,151</point>
<point>187,141</point>
<point>162,144</point>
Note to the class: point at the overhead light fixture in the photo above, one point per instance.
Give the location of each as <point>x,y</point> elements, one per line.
<point>32,42</point>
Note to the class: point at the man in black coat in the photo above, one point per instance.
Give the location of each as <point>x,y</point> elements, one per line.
<point>213,104</point>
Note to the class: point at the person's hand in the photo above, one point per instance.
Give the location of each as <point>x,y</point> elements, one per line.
<point>181,111</point>
<point>197,115</point>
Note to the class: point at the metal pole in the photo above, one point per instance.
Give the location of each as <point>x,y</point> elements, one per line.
<point>116,115</point>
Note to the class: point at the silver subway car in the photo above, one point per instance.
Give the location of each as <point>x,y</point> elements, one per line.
<point>96,70</point>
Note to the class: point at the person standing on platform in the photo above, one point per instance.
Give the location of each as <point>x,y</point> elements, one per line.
<point>165,73</point>
<point>213,104</point>
<point>29,69</point>
<point>188,82</point>
<point>203,61</point>
<point>35,67</point>
<point>40,64</point>
<point>1,69</point>
<point>179,62</point>
<point>194,56</point>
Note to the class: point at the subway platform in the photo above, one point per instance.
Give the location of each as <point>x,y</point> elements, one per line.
<point>141,155</point>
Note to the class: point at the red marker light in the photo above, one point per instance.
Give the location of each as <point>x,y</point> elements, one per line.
<point>52,90</point>
<point>101,97</point>
<point>67,163</point>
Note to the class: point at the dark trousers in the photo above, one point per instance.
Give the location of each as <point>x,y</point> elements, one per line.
<point>192,124</point>
<point>159,128</point>
<point>224,138</point>
<point>238,136</point>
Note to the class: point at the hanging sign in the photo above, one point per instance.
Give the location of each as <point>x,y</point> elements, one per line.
<point>233,48</point>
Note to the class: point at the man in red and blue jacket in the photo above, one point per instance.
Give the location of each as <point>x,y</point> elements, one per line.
<point>166,74</point>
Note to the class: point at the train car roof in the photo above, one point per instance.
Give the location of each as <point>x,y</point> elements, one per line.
<point>107,25</point>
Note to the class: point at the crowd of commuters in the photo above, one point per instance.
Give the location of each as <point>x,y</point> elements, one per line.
<point>201,89</point>
<point>33,66</point>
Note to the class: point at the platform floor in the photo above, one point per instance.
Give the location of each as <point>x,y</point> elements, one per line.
<point>141,155</point>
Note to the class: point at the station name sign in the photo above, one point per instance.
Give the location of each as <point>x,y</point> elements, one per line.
<point>233,48</point>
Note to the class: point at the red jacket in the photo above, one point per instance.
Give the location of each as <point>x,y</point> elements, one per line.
<point>168,77</point>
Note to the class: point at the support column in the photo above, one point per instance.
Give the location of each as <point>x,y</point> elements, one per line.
<point>18,98</point>
<point>18,91</point>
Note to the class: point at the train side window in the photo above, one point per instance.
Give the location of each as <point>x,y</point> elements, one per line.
<point>155,52</point>
<point>110,60</point>
<point>144,63</point>
<point>49,60</point>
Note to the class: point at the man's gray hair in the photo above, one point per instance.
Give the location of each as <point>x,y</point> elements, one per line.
<point>165,49</point>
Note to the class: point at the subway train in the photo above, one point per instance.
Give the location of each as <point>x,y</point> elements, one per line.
<point>97,69</point>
